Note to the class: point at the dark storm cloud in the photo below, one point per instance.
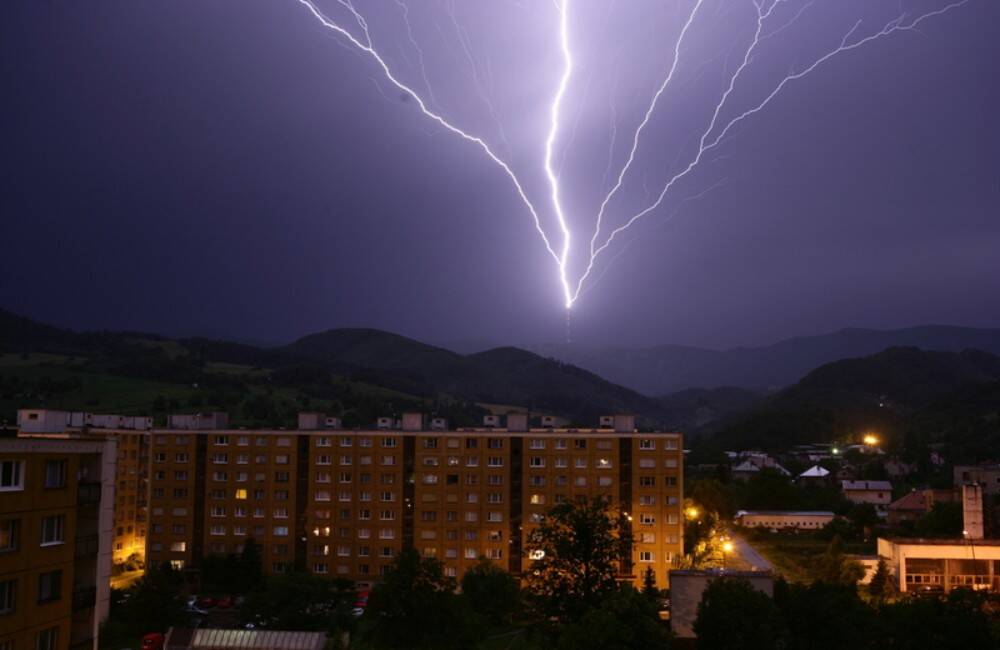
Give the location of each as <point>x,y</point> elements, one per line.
<point>230,168</point>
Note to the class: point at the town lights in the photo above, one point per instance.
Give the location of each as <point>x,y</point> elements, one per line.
<point>870,439</point>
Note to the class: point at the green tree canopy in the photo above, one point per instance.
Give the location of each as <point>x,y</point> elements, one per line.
<point>581,547</point>
<point>491,592</point>
<point>415,606</point>
<point>732,615</point>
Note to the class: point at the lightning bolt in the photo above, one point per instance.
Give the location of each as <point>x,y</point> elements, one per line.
<point>704,147</point>
<point>551,140</point>
<point>706,143</point>
<point>369,49</point>
<point>635,139</point>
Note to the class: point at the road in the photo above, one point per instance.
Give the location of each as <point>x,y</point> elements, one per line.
<point>749,558</point>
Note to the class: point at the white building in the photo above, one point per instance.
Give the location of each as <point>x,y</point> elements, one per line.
<point>784,519</point>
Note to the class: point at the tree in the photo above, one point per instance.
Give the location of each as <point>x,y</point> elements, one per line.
<point>732,615</point>
<point>153,604</point>
<point>882,585</point>
<point>833,567</point>
<point>492,592</point>
<point>581,547</point>
<point>944,520</point>
<point>865,518</point>
<point>415,607</point>
<point>824,616</point>
<point>649,589</point>
<point>624,620</point>
<point>299,601</point>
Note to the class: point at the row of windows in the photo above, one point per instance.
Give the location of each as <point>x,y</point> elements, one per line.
<point>49,590</point>
<point>47,639</point>
<point>12,474</point>
<point>389,442</point>
<point>53,532</point>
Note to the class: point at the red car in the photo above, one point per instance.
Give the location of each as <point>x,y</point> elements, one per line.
<point>206,602</point>
<point>152,641</point>
<point>225,602</point>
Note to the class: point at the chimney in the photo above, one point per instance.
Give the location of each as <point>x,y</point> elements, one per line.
<point>414,421</point>
<point>972,511</point>
<point>624,423</point>
<point>517,421</point>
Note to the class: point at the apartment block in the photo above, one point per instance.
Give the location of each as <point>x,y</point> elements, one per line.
<point>344,503</point>
<point>131,434</point>
<point>56,514</point>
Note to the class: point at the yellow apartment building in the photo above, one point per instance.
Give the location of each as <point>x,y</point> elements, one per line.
<point>344,503</point>
<point>56,513</point>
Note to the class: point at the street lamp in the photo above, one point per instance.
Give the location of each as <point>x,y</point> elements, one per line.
<point>870,439</point>
<point>727,548</point>
<point>692,513</point>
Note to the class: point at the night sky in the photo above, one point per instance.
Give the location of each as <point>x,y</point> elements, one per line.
<point>234,169</point>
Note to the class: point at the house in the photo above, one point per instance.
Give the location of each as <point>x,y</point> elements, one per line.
<point>877,493</point>
<point>917,503</point>
<point>815,475</point>
<point>987,475</point>
<point>752,463</point>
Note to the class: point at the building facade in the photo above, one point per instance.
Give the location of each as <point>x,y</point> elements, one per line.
<point>344,503</point>
<point>782,519</point>
<point>56,517</point>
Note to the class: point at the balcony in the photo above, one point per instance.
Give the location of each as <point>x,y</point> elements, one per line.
<point>86,546</point>
<point>84,598</point>
<point>88,493</point>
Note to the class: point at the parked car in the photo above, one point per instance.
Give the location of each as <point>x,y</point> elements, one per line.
<point>206,602</point>
<point>152,641</point>
<point>225,602</point>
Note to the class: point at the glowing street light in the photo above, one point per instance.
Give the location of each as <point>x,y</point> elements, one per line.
<point>727,548</point>
<point>870,439</point>
<point>692,513</point>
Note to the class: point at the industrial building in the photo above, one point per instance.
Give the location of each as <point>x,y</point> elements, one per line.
<point>940,565</point>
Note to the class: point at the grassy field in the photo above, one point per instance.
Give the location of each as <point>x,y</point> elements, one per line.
<point>792,555</point>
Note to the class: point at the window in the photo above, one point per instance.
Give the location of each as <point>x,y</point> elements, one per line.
<point>603,463</point>
<point>647,500</point>
<point>53,529</point>
<point>181,458</point>
<point>178,547</point>
<point>494,443</point>
<point>8,596</point>
<point>55,473</point>
<point>388,443</point>
<point>645,556</point>
<point>47,639</point>
<point>281,459</point>
<point>647,463</point>
<point>494,516</point>
<point>218,459</point>
<point>49,586</point>
<point>647,445</point>
<point>221,441</point>
<point>647,538</point>
<point>647,519</point>
<point>536,461</point>
<point>537,443</point>
<point>11,475</point>
<point>537,499</point>
<point>494,461</point>
<point>280,531</point>
<point>671,443</point>
<point>243,441</point>
<point>647,481</point>
<point>9,535</point>
<point>604,481</point>
<point>579,444</point>
<point>430,443</point>
<point>580,462</point>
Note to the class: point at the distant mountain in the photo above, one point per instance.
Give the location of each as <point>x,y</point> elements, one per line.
<point>888,392</point>
<point>365,357</point>
<point>671,368</point>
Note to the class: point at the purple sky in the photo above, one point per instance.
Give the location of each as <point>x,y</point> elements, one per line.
<point>234,169</point>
